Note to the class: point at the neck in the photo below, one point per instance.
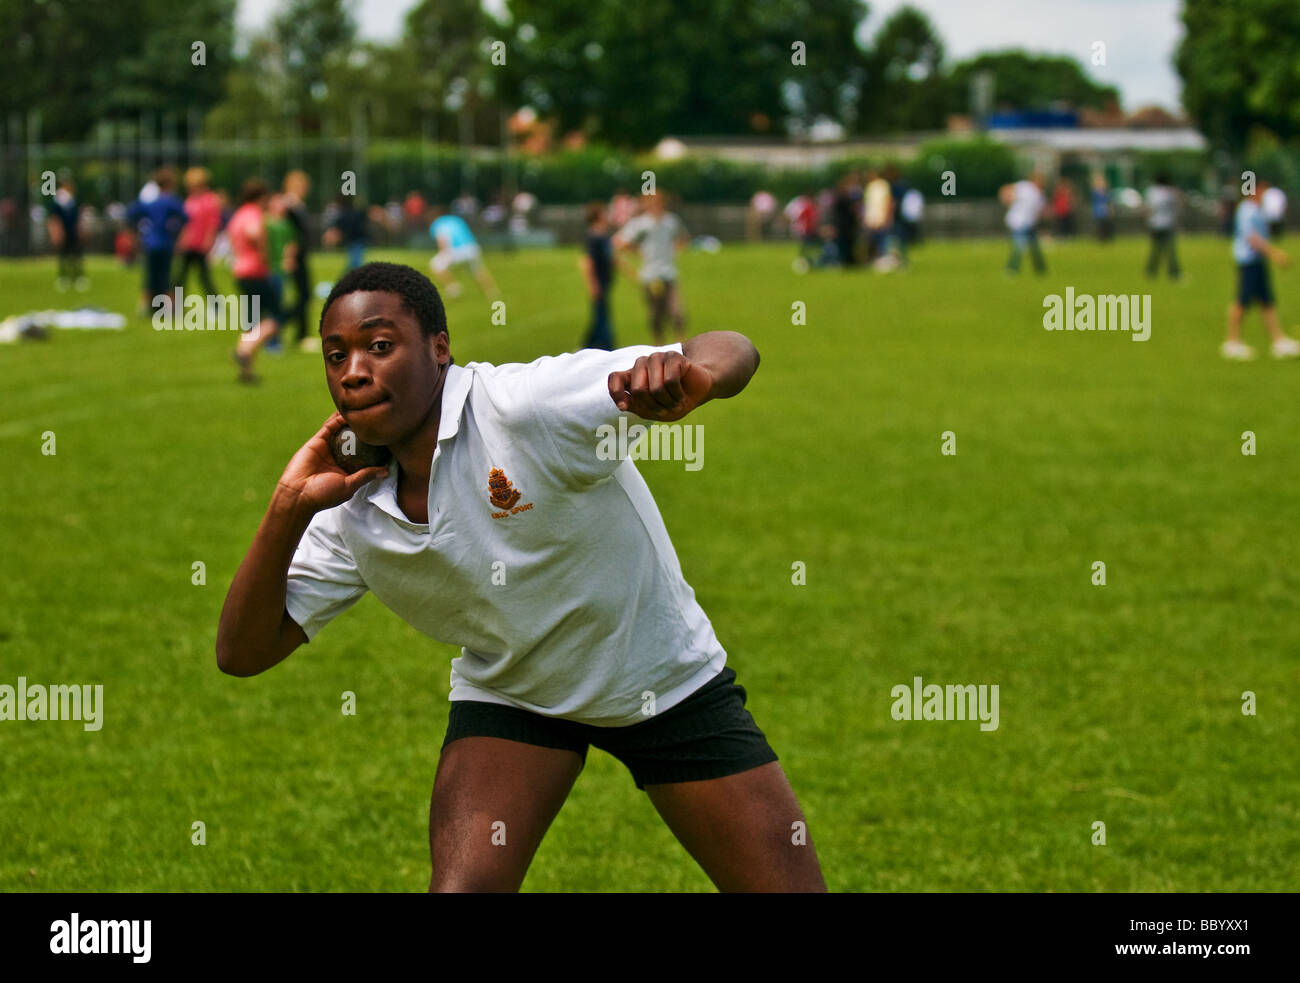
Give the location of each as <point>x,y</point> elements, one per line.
<point>414,454</point>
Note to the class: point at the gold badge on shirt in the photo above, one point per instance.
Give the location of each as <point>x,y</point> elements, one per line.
<point>503,495</point>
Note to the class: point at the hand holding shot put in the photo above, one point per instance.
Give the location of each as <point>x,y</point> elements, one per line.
<point>329,468</point>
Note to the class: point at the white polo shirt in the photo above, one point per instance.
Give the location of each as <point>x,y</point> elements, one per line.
<point>551,568</point>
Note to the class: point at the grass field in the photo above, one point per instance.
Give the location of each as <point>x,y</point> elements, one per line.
<point>1120,704</point>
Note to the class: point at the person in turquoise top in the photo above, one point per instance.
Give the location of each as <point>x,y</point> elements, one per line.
<point>457,247</point>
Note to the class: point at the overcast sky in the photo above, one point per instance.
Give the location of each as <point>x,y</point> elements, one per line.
<point>1140,35</point>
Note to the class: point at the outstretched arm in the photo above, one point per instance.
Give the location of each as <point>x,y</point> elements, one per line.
<point>666,386</point>
<point>1266,248</point>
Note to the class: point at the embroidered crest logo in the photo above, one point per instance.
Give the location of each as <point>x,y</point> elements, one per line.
<point>502,493</point>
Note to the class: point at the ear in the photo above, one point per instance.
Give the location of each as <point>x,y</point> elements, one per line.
<point>440,348</point>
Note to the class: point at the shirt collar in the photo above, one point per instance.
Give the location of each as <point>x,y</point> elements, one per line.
<point>455,390</point>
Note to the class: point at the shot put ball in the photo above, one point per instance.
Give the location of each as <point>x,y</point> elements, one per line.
<point>362,456</point>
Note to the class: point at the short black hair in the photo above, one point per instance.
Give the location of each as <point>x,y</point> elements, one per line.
<point>419,295</point>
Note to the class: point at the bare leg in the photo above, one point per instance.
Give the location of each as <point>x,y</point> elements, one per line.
<point>248,345</point>
<point>742,830</point>
<point>1273,323</point>
<point>251,341</point>
<point>493,801</point>
<point>1234,322</point>
<point>485,282</point>
<point>675,311</point>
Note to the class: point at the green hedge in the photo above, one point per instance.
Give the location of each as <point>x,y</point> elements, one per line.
<point>392,168</point>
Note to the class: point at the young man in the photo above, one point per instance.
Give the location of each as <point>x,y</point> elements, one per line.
<point>502,527</point>
<point>1252,250</point>
<point>457,246</point>
<point>1024,201</point>
<point>1162,215</point>
<point>659,235</point>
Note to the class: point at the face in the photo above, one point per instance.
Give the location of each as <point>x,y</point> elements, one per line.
<point>384,375</point>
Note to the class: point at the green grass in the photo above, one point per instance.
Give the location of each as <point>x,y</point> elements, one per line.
<point>1120,704</point>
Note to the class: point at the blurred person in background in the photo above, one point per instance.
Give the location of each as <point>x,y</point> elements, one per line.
<point>351,228</point>
<point>465,205</point>
<point>762,207</point>
<point>1162,218</point>
<point>844,217</point>
<point>1252,252</point>
<point>158,217</point>
<point>296,188</point>
<point>250,250</point>
<point>1103,212</point>
<point>910,210</point>
<point>1063,207</point>
<point>896,239</point>
<point>281,256</point>
<point>522,210</point>
<point>1024,201</point>
<point>803,216</point>
<point>597,265</point>
<point>65,234</point>
<point>414,209</point>
<point>658,235</point>
<point>458,247</point>
<point>878,216</point>
<point>622,207</point>
<point>203,211</point>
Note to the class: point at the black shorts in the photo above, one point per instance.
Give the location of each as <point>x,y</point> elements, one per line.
<point>267,292</point>
<point>710,734</point>
<point>1253,284</point>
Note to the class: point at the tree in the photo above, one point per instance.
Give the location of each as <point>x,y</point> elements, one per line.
<point>83,61</point>
<point>1240,65</point>
<point>1028,81</point>
<point>312,37</point>
<point>448,48</point>
<point>905,88</point>
<point>629,73</point>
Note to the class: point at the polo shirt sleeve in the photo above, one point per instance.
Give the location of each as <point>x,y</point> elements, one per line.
<point>323,577</point>
<point>571,405</point>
